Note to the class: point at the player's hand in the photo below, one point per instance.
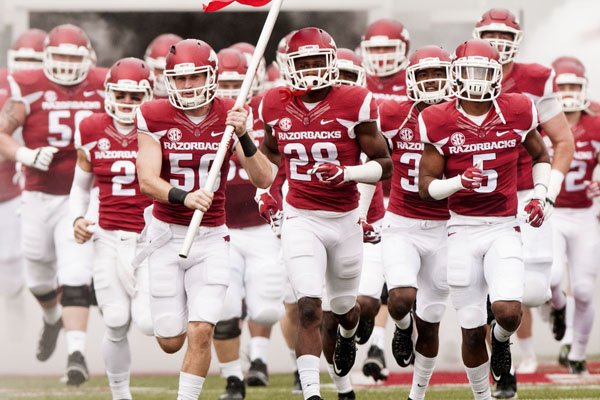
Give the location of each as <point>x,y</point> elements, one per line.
<point>237,117</point>
<point>270,211</point>
<point>329,173</point>
<point>199,200</point>
<point>82,230</point>
<point>472,178</point>
<point>535,213</point>
<point>592,190</point>
<point>371,233</point>
<point>39,158</point>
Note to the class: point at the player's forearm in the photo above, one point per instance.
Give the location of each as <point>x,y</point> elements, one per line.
<point>559,133</point>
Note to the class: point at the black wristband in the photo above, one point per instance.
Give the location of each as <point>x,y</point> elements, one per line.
<point>248,145</point>
<point>177,196</point>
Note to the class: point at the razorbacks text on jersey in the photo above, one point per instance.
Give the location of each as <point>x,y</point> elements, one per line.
<point>53,115</point>
<point>188,150</point>
<point>407,149</point>
<point>323,134</point>
<point>495,144</point>
<point>535,81</point>
<point>113,155</point>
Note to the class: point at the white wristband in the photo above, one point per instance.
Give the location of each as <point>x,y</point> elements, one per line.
<point>442,188</point>
<point>556,180</point>
<point>541,178</point>
<point>370,172</point>
<point>366,191</point>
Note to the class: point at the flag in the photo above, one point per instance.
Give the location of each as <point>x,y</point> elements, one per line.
<point>214,5</point>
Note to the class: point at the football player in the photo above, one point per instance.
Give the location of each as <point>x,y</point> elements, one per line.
<point>470,157</point>
<point>575,228</point>
<point>106,152</point>
<point>155,55</point>
<point>178,140</point>
<point>501,28</point>
<point>414,233</point>
<point>320,130</point>
<point>49,104</point>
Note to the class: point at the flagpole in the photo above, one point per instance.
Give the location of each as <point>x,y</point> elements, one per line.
<point>263,39</point>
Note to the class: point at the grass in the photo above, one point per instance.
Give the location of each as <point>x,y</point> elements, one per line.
<point>165,387</point>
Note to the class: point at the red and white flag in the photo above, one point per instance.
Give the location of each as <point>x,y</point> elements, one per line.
<point>214,5</point>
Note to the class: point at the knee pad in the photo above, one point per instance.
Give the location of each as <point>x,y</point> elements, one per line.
<point>228,329</point>
<point>432,313</point>
<point>583,291</point>
<point>342,304</point>
<point>268,316</point>
<point>75,296</point>
<point>169,326</point>
<point>115,316</point>
<point>116,334</point>
<point>471,317</point>
<point>43,296</point>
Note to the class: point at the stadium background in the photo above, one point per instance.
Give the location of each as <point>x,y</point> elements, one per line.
<point>118,28</point>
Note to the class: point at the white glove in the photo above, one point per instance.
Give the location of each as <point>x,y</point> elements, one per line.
<point>39,158</point>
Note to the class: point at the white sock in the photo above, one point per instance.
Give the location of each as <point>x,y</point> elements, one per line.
<point>343,384</point>
<point>259,348</point>
<point>308,368</point>
<point>232,368</point>
<point>479,377</point>
<point>421,376</point>
<point>378,337</point>
<point>501,334</point>
<point>75,341</point>
<point>348,333</point>
<point>527,349</point>
<point>119,385</point>
<point>293,356</point>
<point>404,323</point>
<point>190,386</point>
<point>568,338</point>
<point>52,314</point>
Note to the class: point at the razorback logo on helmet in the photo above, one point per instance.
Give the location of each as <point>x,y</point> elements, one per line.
<point>174,134</point>
<point>67,55</point>
<point>572,82</point>
<point>27,52</point>
<point>384,47</point>
<point>501,28</point>
<point>128,84</point>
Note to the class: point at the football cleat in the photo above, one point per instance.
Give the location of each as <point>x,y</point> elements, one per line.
<point>48,337</point>
<point>344,354</point>
<point>297,386</point>
<point>364,330</point>
<point>501,359</point>
<point>402,345</point>
<point>563,355</point>
<point>506,388</point>
<point>257,374</point>
<point>374,365</point>
<point>559,324</point>
<point>77,372</point>
<point>347,396</point>
<point>235,389</point>
<point>578,367</point>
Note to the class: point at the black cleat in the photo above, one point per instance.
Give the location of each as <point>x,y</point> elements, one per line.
<point>347,396</point>
<point>563,355</point>
<point>506,388</point>
<point>344,354</point>
<point>257,374</point>
<point>402,346</point>
<point>500,360</point>
<point>235,389</point>
<point>77,372</point>
<point>297,386</point>
<point>559,324</point>
<point>578,367</point>
<point>48,338</point>
<point>364,330</point>
<point>374,365</point>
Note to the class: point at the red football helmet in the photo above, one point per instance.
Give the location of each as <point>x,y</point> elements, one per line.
<point>503,21</point>
<point>350,62</point>
<point>155,56</point>
<point>261,73</point>
<point>191,57</point>
<point>476,71</point>
<point>233,67</point>
<point>384,47</point>
<point>67,55</point>
<point>430,90</point>
<point>127,75</point>
<point>280,53</point>
<point>311,42</point>
<point>571,71</point>
<point>27,52</point>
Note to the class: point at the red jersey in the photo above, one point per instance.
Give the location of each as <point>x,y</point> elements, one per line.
<point>388,87</point>
<point>463,143</point>
<point>535,81</point>
<point>9,190</point>
<point>586,135</point>
<point>113,155</point>
<point>407,149</point>
<point>188,150</point>
<point>324,134</point>
<point>53,114</point>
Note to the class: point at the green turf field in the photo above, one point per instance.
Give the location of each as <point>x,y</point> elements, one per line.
<point>165,387</point>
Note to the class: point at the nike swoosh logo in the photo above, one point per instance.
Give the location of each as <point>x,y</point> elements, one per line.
<point>215,134</point>
<point>89,94</point>
<point>499,134</point>
<point>397,88</point>
<point>326,121</point>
